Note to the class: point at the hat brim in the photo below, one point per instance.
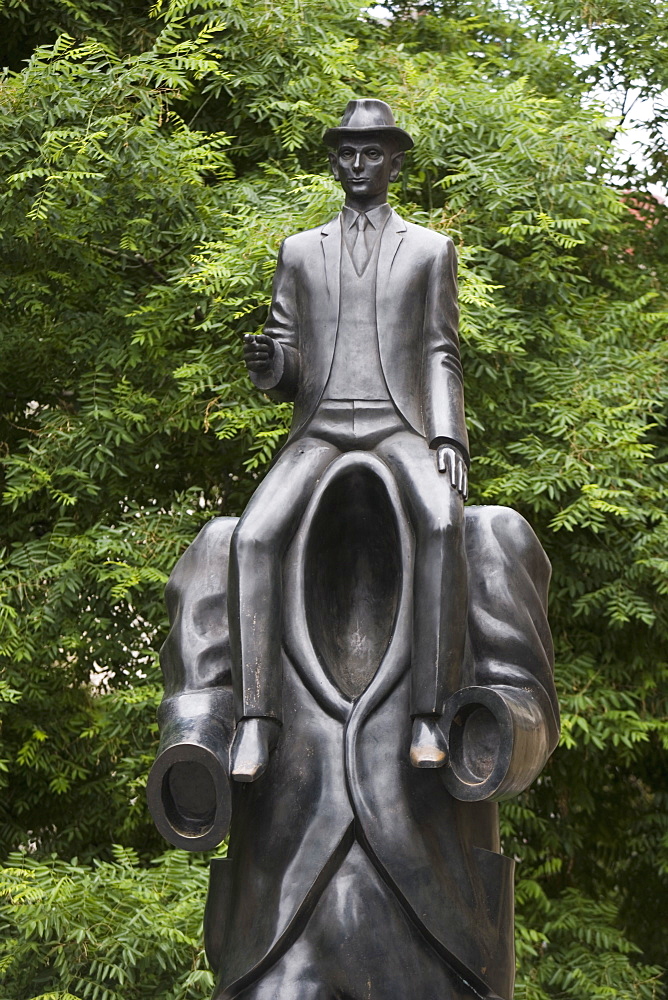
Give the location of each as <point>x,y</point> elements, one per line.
<point>333,136</point>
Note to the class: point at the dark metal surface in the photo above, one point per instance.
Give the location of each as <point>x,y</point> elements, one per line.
<point>365,605</point>
<point>358,583</point>
<point>340,773</point>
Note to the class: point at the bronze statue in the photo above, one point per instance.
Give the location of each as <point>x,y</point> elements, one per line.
<point>362,336</point>
<point>386,675</point>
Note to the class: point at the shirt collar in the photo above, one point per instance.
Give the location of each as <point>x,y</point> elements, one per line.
<point>377,216</point>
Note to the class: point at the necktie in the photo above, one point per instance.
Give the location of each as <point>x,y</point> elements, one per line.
<point>360,252</point>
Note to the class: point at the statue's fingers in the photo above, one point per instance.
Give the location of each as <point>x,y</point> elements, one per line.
<point>441,460</point>
<point>264,341</point>
<point>461,477</point>
<point>452,460</point>
<point>465,484</point>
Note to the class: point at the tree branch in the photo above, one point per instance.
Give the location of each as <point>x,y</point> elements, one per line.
<point>139,257</point>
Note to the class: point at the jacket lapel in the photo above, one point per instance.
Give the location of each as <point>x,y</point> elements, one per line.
<point>390,242</point>
<point>331,249</point>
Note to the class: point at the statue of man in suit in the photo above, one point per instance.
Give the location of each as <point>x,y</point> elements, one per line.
<point>362,336</point>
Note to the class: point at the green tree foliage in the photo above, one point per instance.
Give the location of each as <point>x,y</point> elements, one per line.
<point>151,162</point>
<point>625,55</point>
<point>127,930</point>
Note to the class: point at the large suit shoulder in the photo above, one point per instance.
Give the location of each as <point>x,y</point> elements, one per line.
<point>299,246</point>
<point>437,243</point>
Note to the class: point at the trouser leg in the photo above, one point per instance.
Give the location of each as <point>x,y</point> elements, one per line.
<point>436,512</point>
<point>255,574</point>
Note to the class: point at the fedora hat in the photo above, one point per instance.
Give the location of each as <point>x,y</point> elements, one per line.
<point>367,115</point>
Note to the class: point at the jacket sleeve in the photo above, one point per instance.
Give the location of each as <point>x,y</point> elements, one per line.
<point>443,400</point>
<point>281,382</point>
<point>188,789</point>
<point>503,724</point>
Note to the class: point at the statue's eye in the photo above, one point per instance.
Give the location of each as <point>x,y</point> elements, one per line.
<point>373,154</point>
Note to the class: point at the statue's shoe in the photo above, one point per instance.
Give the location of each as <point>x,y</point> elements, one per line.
<point>428,748</point>
<point>253,742</point>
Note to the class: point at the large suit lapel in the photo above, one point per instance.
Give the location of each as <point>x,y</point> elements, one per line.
<point>331,250</point>
<point>390,241</point>
<point>386,302</point>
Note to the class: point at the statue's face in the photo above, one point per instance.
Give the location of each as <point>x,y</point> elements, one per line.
<point>365,166</point>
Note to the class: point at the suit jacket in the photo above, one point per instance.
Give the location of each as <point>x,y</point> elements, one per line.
<point>339,772</point>
<point>417,320</point>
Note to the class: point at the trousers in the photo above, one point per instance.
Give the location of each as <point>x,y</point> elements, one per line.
<point>436,514</point>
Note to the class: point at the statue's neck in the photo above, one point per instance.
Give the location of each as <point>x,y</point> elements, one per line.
<point>365,204</point>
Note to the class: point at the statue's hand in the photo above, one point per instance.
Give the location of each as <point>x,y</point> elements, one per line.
<point>259,350</point>
<point>452,462</point>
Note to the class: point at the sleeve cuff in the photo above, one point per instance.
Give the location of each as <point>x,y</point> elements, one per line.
<point>438,441</point>
<point>497,742</point>
<point>188,787</point>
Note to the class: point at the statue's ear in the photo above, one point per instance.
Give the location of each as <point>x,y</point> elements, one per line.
<point>334,163</point>
<point>397,164</point>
